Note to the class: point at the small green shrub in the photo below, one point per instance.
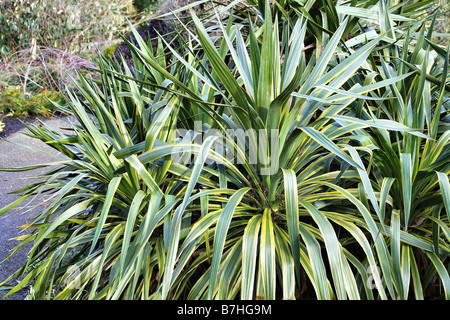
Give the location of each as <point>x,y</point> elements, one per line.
<point>109,51</point>
<point>143,5</point>
<point>19,103</point>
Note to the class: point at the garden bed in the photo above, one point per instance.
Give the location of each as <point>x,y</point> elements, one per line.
<point>15,124</point>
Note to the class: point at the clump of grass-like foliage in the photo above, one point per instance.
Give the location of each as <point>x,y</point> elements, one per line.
<point>333,184</point>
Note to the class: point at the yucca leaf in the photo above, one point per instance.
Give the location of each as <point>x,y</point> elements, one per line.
<point>395,252</point>
<point>76,209</point>
<point>249,254</point>
<point>415,275</point>
<point>442,272</point>
<point>200,227</point>
<point>385,187</point>
<point>220,235</point>
<point>286,262</point>
<point>292,216</point>
<point>175,224</point>
<point>365,180</point>
<point>222,70</point>
<point>382,124</point>
<point>265,89</point>
<point>158,124</point>
<point>375,230</point>
<point>320,280</point>
<point>31,275</point>
<point>144,174</point>
<point>242,61</point>
<point>230,271</point>
<point>112,188</point>
<point>152,64</point>
<point>419,242</point>
<point>267,268</point>
<point>338,75</point>
<point>426,75</point>
<point>340,275</point>
<point>445,189</point>
<point>405,270</point>
<point>13,204</point>
<point>407,181</point>
<point>360,237</point>
<point>132,214</point>
<point>324,59</point>
<point>294,48</point>
<point>325,142</point>
<point>110,240</point>
<point>255,57</point>
<point>433,150</point>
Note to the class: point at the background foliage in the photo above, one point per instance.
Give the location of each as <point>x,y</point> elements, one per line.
<point>63,24</point>
<point>14,103</point>
<point>42,42</point>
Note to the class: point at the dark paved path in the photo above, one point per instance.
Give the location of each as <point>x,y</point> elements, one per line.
<point>12,155</point>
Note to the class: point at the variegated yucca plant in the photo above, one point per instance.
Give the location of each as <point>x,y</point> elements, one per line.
<point>255,163</point>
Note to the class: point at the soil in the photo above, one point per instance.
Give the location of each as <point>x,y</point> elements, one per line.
<point>15,124</point>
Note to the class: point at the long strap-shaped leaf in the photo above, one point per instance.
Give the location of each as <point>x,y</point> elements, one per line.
<point>249,254</point>
<point>265,90</point>
<point>395,252</point>
<point>443,273</point>
<point>223,71</point>
<point>144,174</point>
<point>220,235</point>
<point>375,231</point>
<point>129,227</point>
<point>151,63</point>
<point>445,189</point>
<point>318,275</point>
<point>328,52</point>
<point>292,216</point>
<point>112,188</point>
<point>267,267</point>
<point>365,180</point>
<point>175,225</point>
<point>342,279</point>
<point>110,241</point>
<point>286,264</point>
<point>326,142</point>
<point>159,123</point>
<point>407,176</point>
<point>63,217</point>
<point>382,124</point>
<point>360,237</point>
